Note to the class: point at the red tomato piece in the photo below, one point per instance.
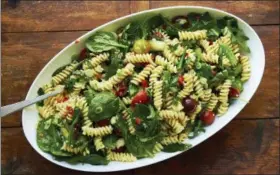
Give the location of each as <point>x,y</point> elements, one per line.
<point>144,83</point>
<point>70,110</point>
<point>210,42</point>
<point>181,80</point>
<point>121,89</point>
<point>140,97</point>
<point>207,117</point>
<point>137,121</point>
<point>234,93</point>
<point>65,99</point>
<point>83,54</point>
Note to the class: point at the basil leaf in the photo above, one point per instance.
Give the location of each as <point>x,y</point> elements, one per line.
<point>103,41</point>
<point>132,89</point>
<point>176,147</point>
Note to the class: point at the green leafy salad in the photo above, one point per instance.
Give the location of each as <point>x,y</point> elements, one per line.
<point>146,88</point>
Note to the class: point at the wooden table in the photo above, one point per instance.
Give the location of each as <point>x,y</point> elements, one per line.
<point>33,32</point>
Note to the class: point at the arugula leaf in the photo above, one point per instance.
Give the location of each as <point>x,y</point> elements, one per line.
<point>196,128</point>
<point>237,84</point>
<point>110,141</point>
<point>103,41</point>
<point>218,79</point>
<point>181,64</point>
<point>171,29</point>
<point>169,82</point>
<point>76,117</point>
<point>176,147</point>
<point>93,159</point>
<point>225,50</point>
<point>132,89</point>
<point>214,33</point>
<point>103,105</point>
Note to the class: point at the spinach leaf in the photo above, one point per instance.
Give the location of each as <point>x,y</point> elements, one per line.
<point>103,41</point>
<point>199,21</point>
<point>132,89</point>
<point>132,31</point>
<point>89,94</point>
<point>214,33</point>
<point>205,71</point>
<point>141,110</point>
<point>93,159</point>
<point>225,50</point>
<point>151,23</point>
<point>176,147</point>
<point>69,84</point>
<point>171,29</point>
<point>116,63</point>
<point>104,105</point>
<point>110,141</point>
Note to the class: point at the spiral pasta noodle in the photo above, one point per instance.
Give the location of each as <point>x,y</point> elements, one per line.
<point>81,103</point>
<point>75,150</point>
<point>139,58</point>
<point>158,94</point>
<point>163,62</point>
<point>169,114</point>
<point>179,51</point>
<point>95,61</point>
<point>196,35</point>
<point>143,74</point>
<point>176,126</point>
<point>207,95</point>
<point>122,157</point>
<point>188,86</point>
<point>224,91</point>
<point>198,88</point>
<point>197,111</point>
<point>93,72</point>
<point>222,109</point>
<point>168,101</point>
<point>46,111</point>
<point>98,143</point>
<point>126,116</point>
<point>169,55</point>
<point>156,74</point>
<point>99,131</point>
<point>246,72</point>
<point>157,148</point>
<point>212,102</point>
<point>60,77</point>
<point>210,58</point>
<point>126,100</point>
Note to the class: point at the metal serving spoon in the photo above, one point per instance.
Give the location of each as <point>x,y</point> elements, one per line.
<point>5,110</point>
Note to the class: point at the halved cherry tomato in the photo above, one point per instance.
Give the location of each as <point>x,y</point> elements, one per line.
<point>137,121</point>
<point>234,93</point>
<point>140,97</point>
<point>144,83</point>
<point>210,42</point>
<point>181,80</point>
<point>207,117</point>
<point>83,54</point>
<point>104,122</point>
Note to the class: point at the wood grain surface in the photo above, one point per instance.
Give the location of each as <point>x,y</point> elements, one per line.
<point>34,31</point>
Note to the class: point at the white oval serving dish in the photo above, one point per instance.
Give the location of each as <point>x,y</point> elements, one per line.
<point>30,115</point>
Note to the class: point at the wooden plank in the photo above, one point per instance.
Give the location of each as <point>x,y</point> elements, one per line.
<point>242,147</point>
<point>60,15</point>
<point>253,12</point>
<point>85,15</point>
<point>137,6</point>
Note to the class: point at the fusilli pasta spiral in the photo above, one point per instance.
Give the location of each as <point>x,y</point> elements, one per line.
<point>196,35</point>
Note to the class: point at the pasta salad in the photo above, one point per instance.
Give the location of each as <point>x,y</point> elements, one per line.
<point>146,88</point>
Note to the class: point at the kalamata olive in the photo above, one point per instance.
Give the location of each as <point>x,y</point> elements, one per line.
<point>207,117</point>
<point>180,20</point>
<point>189,105</point>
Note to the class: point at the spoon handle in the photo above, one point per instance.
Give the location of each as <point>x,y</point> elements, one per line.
<point>5,110</point>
